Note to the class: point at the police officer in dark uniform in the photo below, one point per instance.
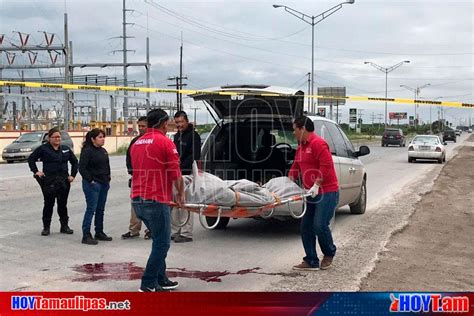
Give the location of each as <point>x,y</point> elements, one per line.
<point>54,180</point>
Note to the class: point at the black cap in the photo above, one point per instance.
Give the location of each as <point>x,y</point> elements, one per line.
<point>156,118</point>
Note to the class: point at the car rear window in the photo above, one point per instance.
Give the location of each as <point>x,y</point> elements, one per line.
<point>425,140</point>
<point>392,132</point>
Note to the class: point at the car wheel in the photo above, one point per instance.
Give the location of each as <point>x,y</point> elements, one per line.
<point>360,205</point>
<point>222,222</point>
<point>444,158</point>
<point>440,160</point>
<point>410,160</point>
<point>10,161</point>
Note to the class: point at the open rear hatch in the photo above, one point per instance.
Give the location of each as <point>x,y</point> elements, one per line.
<point>241,102</point>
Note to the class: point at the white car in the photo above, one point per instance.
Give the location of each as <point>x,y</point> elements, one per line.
<point>427,147</point>
<point>253,139</point>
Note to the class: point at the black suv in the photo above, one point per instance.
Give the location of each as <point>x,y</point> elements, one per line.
<point>449,135</point>
<point>393,136</point>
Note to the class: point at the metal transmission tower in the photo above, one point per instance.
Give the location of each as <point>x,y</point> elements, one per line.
<point>68,64</point>
<point>32,50</point>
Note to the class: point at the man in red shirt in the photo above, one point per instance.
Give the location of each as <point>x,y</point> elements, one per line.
<point>155,163</point>
<point>314,165</point>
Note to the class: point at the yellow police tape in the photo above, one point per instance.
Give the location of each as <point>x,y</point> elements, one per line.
<point>190,92</point>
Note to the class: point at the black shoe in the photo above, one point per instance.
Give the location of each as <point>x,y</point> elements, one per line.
<point>181,239</point>
<point>66,230</point>
<point>173,236</point>
<point>129,235</point>
<point>102,236</point>
<point>147,235</point>
<point>45,232</point>
<point>169,285</point>
<point>147,289</point>
<point>88,240</point>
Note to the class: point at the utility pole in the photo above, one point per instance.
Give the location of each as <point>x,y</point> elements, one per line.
<point>372,117</point>
<point>195,108</point>
<point>67,75</point>
<point>309,91</point>
<point>180,103</point>
<point>179,86</point>
<point>125,66</point>
<point>148,66</point>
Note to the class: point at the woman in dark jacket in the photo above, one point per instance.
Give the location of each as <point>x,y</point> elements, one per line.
<point>54,180</point>
<point>95,170</point>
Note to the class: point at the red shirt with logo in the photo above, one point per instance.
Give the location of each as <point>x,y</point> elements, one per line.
<point>313,160</point>
<point>155,163</point>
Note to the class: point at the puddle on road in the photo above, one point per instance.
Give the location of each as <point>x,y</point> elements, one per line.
<point>124,271</point>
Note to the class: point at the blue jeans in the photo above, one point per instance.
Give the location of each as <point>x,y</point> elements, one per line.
<point>315,224</point>
<point>96,197</point>
<point>156,217</point>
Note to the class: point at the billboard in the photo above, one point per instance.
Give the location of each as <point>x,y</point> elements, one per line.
<point>397,115</point>
<point>334,92</point>
<point>322,112</point>
<point>352,115</point>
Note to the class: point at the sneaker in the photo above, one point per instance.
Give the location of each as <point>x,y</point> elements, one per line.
<point>148,289</point>
<point>66,230</point>
<point>181,239</point>
<point>129,235</point>
<point>326,263</point>
<point>173,236</point>
<point>169,285</point>
<point>45,232</point>
<point>304,266</point>
<point>102,236</point>
<point>88,240</point>
<point>147,235</point>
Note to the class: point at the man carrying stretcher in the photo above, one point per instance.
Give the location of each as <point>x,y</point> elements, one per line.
<point>314,165</point>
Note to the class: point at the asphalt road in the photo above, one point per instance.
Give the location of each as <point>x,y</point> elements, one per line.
<point>250,255</point>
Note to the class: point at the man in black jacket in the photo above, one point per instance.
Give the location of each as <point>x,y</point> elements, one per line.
<point>54,180</point>
<point>135,223</point>
<point>188,143</point>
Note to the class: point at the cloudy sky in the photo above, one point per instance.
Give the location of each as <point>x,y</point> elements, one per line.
<point>231,42</point>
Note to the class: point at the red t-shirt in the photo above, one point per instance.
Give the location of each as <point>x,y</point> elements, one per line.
<point>155,164</point>
<point>313,160</point>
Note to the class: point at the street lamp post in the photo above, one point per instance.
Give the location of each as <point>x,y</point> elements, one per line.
<point>386,70</point>
<point>313,20</point>
<point>417,91</point>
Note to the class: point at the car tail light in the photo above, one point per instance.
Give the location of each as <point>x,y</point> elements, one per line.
<point>398,137</point>
<point>411,148</point>
<point>384,136</point>
<point>438,149</point>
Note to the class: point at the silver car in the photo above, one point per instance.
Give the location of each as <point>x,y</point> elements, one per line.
<point>253,139</point>
<point>427,147</point>
<point>23,146</point>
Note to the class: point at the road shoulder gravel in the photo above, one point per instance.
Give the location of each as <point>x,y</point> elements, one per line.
<point>434,251</point>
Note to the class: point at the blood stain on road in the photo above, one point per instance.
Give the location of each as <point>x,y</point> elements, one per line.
<point>124,271</point>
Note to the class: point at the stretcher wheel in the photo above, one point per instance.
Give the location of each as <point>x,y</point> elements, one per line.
<point>296,216</point>
<point>202,219</point>
<point>186,221</point>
